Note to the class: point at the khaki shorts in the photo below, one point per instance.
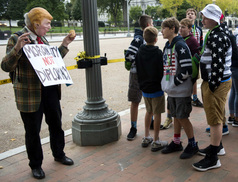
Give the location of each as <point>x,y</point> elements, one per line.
<point>214,102</point>
<point>134,92</point>
<point>155,105</point>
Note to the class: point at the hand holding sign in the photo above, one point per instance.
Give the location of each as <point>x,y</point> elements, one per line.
<point>48,64</point>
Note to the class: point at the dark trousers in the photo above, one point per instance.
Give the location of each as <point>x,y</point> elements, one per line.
<point>50,106</point>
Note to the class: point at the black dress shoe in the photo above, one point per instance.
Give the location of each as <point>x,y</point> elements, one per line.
<point>38,173</point>
<point>65,160</point>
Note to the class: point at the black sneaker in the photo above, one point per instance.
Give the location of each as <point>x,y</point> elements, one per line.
<point>189,151</point>
<point>207,163</point>
<point>230,120</point>
<point>221,150</point>
<point>172,147</point>
<point>132,134</point>
<point>235,124</point>
<point>197,103</point>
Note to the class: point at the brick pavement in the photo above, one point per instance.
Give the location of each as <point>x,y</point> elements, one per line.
<point>127,160</point>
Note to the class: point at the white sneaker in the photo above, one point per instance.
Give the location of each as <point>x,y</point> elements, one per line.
<point>158,145</point>
<point>146,141</point>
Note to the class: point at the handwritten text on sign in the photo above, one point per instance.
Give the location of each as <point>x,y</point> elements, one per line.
<point>48,64</point>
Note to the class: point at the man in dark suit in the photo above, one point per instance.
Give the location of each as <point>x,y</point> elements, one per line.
<point>32,98</point>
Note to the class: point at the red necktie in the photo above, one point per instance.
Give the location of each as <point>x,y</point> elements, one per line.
<point>39,40</point>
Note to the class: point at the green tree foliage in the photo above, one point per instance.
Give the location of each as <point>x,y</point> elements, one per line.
<point>55,7</point>
<point>163,13</point>
<point>224,4</point>
<point>10,10</point>
<point>3,5</point>
<point>76,10</point>
<point>119,19</point>
<point>135,13</point>
<point>229,6</point>
<point>233,9</point>
<point>171,5</point>
<point>198,5</point>
<point>112,7</point>
<point>68,10</point>
<point>152,11</point>
<point>181,13</point>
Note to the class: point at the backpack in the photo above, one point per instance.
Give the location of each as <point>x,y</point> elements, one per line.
<point>234,57</point>
<point>236,39</point>
<point>12,74</point>
<point>195,67</point>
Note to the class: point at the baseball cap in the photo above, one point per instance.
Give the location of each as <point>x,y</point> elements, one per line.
<point>213,12</point>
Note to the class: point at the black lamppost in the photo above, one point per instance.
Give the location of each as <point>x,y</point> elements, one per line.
<point>96,124</point>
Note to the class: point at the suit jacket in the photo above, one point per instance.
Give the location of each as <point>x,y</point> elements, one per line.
<point>26,84</point>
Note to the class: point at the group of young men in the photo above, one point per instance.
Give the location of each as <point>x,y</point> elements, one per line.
<point>153,72</point>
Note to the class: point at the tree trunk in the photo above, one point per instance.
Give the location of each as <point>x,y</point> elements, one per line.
<point>115,19</point>
<point>10,24</point>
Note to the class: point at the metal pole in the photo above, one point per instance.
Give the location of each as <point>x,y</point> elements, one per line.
<point>128,21</point>
<point>96,124</point>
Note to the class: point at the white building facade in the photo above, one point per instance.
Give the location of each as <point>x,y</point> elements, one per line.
<point>143,4</point>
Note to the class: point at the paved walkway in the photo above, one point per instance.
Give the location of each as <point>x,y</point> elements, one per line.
<point>127,160</point>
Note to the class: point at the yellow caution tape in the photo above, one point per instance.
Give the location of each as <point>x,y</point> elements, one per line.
<point>72,67</point>
<point>82,55</point>
<point>116,60</point>
<point>5,81</point>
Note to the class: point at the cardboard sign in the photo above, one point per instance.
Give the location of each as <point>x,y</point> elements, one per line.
<point>48,64</point>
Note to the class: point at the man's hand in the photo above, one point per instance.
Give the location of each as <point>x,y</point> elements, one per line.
<point>22,40</point>
<point>68,39</point>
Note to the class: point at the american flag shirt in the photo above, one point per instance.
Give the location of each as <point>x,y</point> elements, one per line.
<point>216,59</point>
<point>197,33</point>
<point>176,81</point>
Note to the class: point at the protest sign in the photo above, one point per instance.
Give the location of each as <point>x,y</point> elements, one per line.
<point>48,64</point>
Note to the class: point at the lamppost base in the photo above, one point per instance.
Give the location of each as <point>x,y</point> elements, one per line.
<point>96,132</point>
